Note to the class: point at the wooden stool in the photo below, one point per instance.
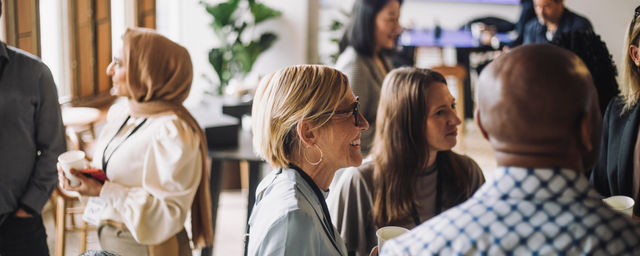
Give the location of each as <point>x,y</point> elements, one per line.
<point>63,203</point>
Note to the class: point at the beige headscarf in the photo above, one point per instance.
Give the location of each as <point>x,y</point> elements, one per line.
<point>159,78</point>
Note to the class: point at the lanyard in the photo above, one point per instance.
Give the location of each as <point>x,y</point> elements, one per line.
<point>438,210</point>
<point>105,162</point>
<point>323,203</point>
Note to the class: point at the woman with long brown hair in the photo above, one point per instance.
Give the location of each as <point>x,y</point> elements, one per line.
<point>412,174</point>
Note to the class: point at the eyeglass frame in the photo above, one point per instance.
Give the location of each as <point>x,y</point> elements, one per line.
<point>355,111</point>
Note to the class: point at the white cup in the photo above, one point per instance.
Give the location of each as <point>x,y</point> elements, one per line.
<point>623,204</point>
<point>72,160</point>
<point>387,233</point>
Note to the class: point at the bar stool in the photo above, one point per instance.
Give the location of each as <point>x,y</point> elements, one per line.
<point>64,203</point>
<point>79,123</point>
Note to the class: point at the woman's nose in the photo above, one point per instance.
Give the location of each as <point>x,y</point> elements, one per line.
<point>363,124</point>
<point>455,120</point>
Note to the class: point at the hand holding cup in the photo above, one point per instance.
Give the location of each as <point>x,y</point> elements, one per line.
<point>72,160</point>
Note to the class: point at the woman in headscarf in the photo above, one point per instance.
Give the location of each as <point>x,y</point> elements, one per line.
<point>153,153</point>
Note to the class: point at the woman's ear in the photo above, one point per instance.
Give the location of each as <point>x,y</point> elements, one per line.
<point>306,133</point>
<point>634,53</point>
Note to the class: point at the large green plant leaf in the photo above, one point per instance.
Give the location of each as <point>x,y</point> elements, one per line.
<point>221,65</point>
<point>262,12</point>
<point>247,54</point>
<point>223,12</point>
<point>234,57</point>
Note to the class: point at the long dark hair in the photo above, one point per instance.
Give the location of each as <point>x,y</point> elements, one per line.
<point>401,149</point>
<point>594,53</point>
<point>360,32</point>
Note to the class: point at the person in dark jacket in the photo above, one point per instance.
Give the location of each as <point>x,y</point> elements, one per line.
<point>618,168</point>
<point>31,138</point>
<point>594,53</point>
<point>553,18</point>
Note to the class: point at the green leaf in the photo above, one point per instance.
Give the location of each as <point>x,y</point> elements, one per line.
<point>262,12</point>
<point>247,55</point>
<point>267,39</point>
<point>223,12</point>
<point>335,25</point>
<point>216,58</point>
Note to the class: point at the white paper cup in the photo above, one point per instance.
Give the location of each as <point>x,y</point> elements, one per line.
<point>387,233</point>
<point>623,204</point>
<point>72,160</point>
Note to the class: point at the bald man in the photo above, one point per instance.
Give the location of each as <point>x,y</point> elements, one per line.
<point>538,108</point>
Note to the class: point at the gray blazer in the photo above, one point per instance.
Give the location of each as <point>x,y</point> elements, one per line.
<point>287,219</point>
<point>365,78</point>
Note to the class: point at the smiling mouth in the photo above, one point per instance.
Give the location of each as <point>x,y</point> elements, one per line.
<point>355,143</point>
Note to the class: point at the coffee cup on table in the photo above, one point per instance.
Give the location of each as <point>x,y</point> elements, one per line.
<point>623,204</point>
<point>72,160</point>
<point>388,233</point>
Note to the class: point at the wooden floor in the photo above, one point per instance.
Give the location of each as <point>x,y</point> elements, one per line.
<point>232,210</point>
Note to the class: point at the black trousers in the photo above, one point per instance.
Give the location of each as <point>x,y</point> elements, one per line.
<point>23,236</point>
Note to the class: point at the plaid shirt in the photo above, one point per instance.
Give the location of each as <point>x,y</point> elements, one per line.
<point>525,212</point>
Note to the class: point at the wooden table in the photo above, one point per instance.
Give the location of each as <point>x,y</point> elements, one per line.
<point>244,152</point>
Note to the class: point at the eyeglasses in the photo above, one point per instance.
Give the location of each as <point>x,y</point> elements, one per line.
<point>355,111</point>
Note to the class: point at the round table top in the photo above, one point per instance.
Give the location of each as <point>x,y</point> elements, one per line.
<point>77,116</point>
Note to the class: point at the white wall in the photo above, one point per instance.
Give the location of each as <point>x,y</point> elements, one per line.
<point>610,19</point>
<point>187,23</point>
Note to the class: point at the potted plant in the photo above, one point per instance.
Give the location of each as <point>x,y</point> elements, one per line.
<point>237,53</point>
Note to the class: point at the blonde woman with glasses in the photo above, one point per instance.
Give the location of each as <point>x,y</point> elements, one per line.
<point>307,125</point>
<point>618,169</point>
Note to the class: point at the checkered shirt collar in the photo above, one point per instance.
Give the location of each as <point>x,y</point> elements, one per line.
<point>536,183</point>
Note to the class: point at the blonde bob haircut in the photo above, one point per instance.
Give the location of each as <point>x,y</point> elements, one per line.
<point>288,96</point>
<point>630,87</point>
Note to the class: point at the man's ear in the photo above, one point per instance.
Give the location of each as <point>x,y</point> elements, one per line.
<point>634,53</point>
<point>479,123</point>
<point>306,133</point>
<point>586,132</point>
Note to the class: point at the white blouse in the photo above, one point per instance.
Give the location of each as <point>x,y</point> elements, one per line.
<point>153,174</point>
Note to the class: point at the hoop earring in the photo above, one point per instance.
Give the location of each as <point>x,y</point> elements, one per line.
<point>307,159</point>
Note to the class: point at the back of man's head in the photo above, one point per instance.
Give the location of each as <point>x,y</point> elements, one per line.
<point>536,105</point>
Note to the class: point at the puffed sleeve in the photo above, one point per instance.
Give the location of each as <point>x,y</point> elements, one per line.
<point>170,178</point>
<point>291,235</point>
<point>350,204</point>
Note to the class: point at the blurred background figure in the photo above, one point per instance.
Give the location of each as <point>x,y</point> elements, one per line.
<point>412,174</point>
<point>373,29</point>
<point>594,53</point>
<point>553,18</point>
